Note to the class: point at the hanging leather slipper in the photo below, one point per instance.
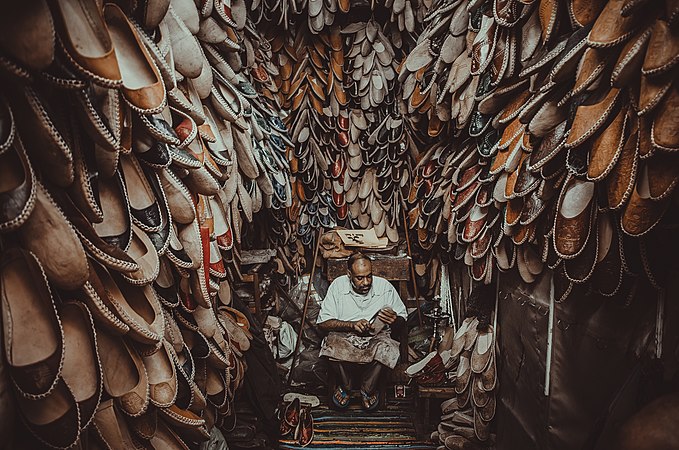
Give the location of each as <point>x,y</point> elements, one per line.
<point>33,332</point>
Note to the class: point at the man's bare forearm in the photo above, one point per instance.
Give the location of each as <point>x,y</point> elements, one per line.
<point>336,325</point>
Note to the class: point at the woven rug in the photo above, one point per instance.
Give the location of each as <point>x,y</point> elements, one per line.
<point>392,427</point>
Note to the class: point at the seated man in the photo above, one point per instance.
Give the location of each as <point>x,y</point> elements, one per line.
<point>358,312</point>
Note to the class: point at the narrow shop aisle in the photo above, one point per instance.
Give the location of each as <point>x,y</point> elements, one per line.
<point>392,427</point>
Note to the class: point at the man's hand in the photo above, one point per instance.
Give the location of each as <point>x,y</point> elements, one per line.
<point>362,326</point>
<point>387,315</point>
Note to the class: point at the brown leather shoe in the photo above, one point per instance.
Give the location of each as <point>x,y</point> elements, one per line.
<point>98,299</point>
<point>165,438</point>
<point>17,183</point>
<point>108,254</point>
<point>642,213</point>
<point>52,238</point>
<point>145,426</point>
<point>82,366</point>
<point>115,228</point>
<point>110,425</point>
<point>28,34</point>
<point>86,41</point>
<point>34,353</point>
<point>572,227</point>
<point>182,418</point>
<point>52,419</point>
<point>162,376</point>
<point>142,87</point>
<point>137,306</point>
<point>610,27</point>
<point>7,125</point>
<point>145,255</point>
<point>125,377</point>
<point>40,119</point>
<point>178,197</point>
<point>663,133</point>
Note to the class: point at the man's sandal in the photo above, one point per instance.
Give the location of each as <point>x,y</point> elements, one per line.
<point>370,401</point>
<point>340,397</point>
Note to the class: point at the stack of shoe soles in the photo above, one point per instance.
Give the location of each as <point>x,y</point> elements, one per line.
<point>466,417</point>
<point>133,152</point>
<point>565,116</point>
<point>296,421</point>
<point>351,140</point>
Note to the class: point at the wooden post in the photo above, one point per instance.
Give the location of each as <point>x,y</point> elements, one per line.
<point>306,305</point>
<point>412,264</point>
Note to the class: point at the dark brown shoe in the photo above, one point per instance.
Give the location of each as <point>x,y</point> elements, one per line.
<point>52,419</point>
<point>99,300</point>
<point>572,227</point>
<point>144,253</point>
<point>32,331</point>
<point>17,184</point>
<point>116,226</point>
<point>28,33</point>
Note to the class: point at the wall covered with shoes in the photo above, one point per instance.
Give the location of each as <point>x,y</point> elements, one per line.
<point>145,143</point>
<point>134,152</point>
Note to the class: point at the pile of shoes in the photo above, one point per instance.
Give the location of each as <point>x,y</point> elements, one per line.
<point>108,360</point>
<point>133,153</point>
<point>456,430</point>
<point>468,415</point>
<point>564,117</point>
<point>350,139</point>
<point>317,16</point>
<point>297,423</point>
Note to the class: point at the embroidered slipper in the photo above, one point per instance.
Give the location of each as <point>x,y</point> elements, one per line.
<point>340,397</point>
<point>370,401</point>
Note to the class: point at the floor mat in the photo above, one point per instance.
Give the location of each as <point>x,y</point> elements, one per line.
<point>391,427</point>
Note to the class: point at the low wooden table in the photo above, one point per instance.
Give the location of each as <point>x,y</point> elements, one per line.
<point>424,394</point>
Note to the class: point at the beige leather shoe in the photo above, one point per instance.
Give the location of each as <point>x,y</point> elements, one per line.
<point>125,377</point>
<point>82,366</point>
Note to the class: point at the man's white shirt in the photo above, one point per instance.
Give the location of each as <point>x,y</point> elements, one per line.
<point>343,303</point>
